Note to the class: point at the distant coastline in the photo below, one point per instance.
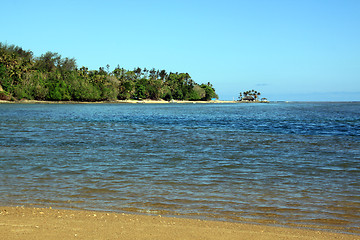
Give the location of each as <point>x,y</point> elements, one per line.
<point>145,101</point>
<point>53,78</point>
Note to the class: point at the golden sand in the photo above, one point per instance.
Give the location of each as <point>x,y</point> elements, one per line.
<point>45,223</point>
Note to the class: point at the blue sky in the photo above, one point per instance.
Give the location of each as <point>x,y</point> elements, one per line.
<point>286,49</point>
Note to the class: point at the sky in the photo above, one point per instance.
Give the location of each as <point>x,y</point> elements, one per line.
<point>289,50</point>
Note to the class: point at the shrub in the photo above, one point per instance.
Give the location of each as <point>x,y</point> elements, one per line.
<point>5,96</point>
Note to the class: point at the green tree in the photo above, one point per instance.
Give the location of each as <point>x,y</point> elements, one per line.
<point>48,62</point>
<point>209,92</point>
<point>141,89</point>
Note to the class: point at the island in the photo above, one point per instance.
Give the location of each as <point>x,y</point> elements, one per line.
<point>251,96</point>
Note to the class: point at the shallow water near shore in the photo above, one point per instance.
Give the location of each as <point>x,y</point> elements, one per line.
<point>282,163</point>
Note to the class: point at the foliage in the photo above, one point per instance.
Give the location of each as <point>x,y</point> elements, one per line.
<point>51,77</point>
<point>209,92</point>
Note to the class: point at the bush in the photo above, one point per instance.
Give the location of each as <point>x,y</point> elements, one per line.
<point>82,90</point>
<point>58,92</point>
<point>5,96</point>
<point>109,89</point>
<point>197,93</point>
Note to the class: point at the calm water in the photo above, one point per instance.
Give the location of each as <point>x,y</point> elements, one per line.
<point>282,163</point>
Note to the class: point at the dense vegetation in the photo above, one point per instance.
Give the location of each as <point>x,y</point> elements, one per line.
<point>51,77</point>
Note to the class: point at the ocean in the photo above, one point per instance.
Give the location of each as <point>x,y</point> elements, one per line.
<point>292,164</point>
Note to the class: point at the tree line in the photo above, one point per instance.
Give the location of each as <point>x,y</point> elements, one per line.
<point>51,77</point>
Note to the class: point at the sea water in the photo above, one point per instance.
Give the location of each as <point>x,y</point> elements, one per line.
<point>281,163</point>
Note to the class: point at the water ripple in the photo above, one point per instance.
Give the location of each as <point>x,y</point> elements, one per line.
<point>290,163</point>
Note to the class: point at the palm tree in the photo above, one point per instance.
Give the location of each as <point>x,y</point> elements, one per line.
<point>163,75</point>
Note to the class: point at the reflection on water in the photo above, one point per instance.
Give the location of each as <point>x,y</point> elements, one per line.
<point>274,163</point>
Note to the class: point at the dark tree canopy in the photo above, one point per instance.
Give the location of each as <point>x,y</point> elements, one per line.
<point>52,77</point>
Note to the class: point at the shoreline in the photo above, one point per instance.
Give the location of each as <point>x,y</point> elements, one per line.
<point>48,223</point>
<point>146,101</point>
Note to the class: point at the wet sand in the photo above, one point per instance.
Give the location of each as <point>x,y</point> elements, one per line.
<point>45,223</point>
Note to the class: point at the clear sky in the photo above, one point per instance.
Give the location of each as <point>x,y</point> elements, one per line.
<point>286,49</point>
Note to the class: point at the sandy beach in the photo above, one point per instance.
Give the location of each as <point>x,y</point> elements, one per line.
<point>47,223</point>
